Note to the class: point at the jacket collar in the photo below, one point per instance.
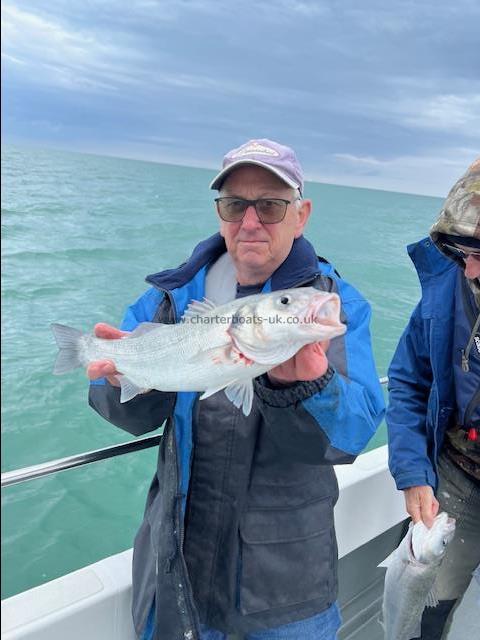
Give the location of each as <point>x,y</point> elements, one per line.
<point>428,260</point>
<point>300,265</point>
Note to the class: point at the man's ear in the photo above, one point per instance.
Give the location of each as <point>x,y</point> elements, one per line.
<point>303,214</point>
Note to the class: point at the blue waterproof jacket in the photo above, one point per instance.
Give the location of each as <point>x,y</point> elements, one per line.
<point>274,506</point>
<point>421,383</point>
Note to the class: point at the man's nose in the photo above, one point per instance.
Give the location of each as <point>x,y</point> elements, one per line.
<point>250,219</point>
<point>472,267</point>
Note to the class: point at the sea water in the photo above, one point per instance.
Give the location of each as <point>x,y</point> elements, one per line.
<point>79,234</point>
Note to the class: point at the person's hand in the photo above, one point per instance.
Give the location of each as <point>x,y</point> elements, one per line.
<point>307,364</point>
<point>105,368</point>
<point>421,504</point>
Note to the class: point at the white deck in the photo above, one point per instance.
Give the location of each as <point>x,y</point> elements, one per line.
<point>94,602</point>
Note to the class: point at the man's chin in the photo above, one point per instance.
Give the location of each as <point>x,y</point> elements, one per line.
<point>259,249</point>
<point>253,257</point>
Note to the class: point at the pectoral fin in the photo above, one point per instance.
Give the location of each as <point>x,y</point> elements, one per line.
<point>217,355</point>
<point>267,355</point>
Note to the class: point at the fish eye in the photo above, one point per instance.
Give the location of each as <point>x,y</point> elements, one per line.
<point>285,300</point>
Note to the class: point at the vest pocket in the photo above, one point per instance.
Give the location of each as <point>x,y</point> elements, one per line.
<point>288,556</point>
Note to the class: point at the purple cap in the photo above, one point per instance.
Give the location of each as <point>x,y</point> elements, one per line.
<point>270,155</point>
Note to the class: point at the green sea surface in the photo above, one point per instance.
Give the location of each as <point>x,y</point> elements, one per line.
<point>79,234</point>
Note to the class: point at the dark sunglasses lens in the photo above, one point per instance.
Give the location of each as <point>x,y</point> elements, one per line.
<point>271,211</point>
<point>453,249</point>
<point>231,210</point>
<point>460,253</point>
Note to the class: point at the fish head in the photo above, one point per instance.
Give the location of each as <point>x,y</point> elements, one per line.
<point>430,545</point>
<point>270,328</point>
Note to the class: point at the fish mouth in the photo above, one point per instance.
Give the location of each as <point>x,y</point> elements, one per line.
<point>323,314</point>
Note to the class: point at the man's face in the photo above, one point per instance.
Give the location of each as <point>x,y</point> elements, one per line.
<point>256,247</point>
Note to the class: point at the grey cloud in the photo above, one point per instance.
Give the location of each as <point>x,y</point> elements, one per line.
<point>336,80</point>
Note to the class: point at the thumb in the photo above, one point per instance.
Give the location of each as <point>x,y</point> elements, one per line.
<point>324,345</point>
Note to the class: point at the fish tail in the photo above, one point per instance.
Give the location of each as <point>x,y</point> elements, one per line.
<point>68,341</point>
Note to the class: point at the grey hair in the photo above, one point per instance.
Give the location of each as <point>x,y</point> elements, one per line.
<point>297,199</point>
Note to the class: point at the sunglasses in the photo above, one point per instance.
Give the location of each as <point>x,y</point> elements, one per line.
<point>460,253</point>
<point>269,210</point>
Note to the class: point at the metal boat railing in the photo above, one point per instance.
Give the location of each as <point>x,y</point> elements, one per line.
<point>10,478</point>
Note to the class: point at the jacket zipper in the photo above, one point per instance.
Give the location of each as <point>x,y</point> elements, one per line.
<point>184,584</point>
<point>473,320</point>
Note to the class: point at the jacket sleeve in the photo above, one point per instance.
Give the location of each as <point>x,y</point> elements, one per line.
<point>145,412</point>
<point>410,380</point>
<point>329,420</point>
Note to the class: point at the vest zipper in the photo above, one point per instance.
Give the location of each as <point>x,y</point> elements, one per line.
<point>474,321</point>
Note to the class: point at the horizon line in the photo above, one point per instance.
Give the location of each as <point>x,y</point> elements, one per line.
<point>105,154</point>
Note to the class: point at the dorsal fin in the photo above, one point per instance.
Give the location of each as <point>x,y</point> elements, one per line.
<point>198,308</point>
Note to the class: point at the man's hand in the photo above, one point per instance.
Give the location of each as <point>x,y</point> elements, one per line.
<point>421,504</point>
<point>307,364</point>
<point>105,368</point>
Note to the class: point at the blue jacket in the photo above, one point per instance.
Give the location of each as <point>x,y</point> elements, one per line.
<point>283,488</point>
<point>421,384</point>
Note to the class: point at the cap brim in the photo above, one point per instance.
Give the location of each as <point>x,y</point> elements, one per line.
<point>220,178</point>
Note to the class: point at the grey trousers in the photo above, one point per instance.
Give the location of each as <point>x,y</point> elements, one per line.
<point>459,496</point>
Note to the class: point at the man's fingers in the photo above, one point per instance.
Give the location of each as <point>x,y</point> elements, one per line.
<point>101,369</point>
<point>430,508</point>
<point>421,504</point>
<point>105,368</point>
<point>107,332</point>
<point>413,504</point>
<point>427,514</point>
<point>414,512</point>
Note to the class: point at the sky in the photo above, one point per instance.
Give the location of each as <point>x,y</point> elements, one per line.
<point>369,93</point>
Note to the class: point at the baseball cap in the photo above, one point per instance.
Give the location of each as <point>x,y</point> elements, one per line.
<point>270,155</point>
<point>459,219</point>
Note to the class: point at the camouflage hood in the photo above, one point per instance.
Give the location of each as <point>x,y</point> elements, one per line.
<point>459,219</point>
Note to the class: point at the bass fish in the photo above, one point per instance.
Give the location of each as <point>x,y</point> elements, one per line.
<point>212,347</point>
<point>410,577</point>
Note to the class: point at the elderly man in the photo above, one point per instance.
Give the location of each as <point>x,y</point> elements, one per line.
<point>238,534</point>
<point>434,410</point>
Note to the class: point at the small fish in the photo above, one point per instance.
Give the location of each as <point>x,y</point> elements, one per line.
<point>410,577</point>
<point>211,348</point>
